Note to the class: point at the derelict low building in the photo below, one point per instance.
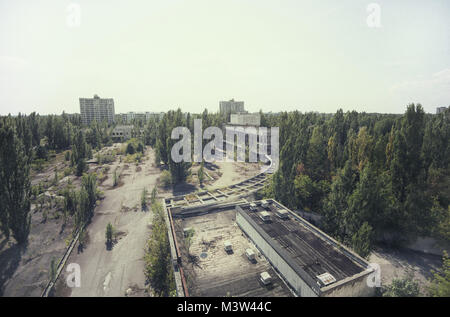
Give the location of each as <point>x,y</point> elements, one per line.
<point>311,262</point>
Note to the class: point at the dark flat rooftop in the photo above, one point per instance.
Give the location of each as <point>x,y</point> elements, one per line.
<point>302,248</point>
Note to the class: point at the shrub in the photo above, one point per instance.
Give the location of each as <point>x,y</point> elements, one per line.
<point>140,147</point>
<point>115,178</point>
<point>130,148</point>
<point>166,179</point>
<point>405,287</point>
<point>144,199</point>
<point>201,175</point>
<point>67,171</point>
<point>38,165</point>
<point>109,234</point>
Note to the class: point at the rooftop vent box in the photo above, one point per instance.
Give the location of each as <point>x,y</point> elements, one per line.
<point>228,246</point>
<point>264,203</point>
<point>282,213</point>
<point>250,254</point>
<point>265,216</point>
<point>253,206</point>
<point>326,278</point>
<point>265,278</point>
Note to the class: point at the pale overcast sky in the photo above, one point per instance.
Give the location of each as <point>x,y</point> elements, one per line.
<point>273,54</point>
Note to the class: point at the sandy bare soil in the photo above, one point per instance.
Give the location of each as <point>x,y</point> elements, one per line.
<point>234,172</point>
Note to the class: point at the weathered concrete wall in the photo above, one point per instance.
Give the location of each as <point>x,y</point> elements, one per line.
<point>173,254</point>
<point>301,288</point>
<point>350,287</point>
<point>428,245</point>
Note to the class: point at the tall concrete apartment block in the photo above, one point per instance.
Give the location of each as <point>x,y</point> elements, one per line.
<point>231,106</point>
<point>97,109</point>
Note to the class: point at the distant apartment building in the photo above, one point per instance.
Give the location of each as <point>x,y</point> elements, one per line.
<point>440,109</point>
<point>125,132</point>
<point>131,116</point>
<point>98,109</point>
<point>245,119</point>
<point>144,116</point>
<point>122,132</point>
<point>231,106</point>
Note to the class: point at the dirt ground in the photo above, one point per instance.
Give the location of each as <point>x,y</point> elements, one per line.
<point>398,263</point>
<point>233,172</point>
<point>24,270</point>
<point>119,270</point>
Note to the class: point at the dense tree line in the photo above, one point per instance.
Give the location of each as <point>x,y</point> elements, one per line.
<point>371,176</point>
<point>15,187</point>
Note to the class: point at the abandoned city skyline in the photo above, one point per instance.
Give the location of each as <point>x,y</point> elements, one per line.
<point>282,56</point>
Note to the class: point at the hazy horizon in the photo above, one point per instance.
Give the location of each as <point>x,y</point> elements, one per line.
<point>273,55</point>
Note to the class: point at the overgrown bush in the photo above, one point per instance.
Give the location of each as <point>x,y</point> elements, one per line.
<point>166,179</point>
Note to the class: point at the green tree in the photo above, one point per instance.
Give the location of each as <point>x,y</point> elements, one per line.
<point>336,203</point>
<point>362,240</point>
<point>154,195</point>
<point>55,178</point>
<point>201,175</point>
<point>115,178</point>
<point>144,199</point>
<point>140,147</point>
<point>317,163</point>
<point>89,183</point>
<point>15,187</point>
<point>440,282</point>
<point>79,153</point>
<point>166,179</point>
<point>53,269</point>
<point>130,148</point>
<point>86,200</point>
<point>109,234</point>
<point>178,170</point>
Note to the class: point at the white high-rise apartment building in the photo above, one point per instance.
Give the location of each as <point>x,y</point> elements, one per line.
<point>97,109</point>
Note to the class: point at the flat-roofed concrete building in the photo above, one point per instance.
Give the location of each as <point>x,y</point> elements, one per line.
<point>231,106</point>
<point>122,132</point>
<point>98,109</point>
<point>125,132</point>
<point>143,116</point>
<point>300,259</point>
<point>214,263</point>
<point>311,262</point>
<point>440,109</point>
<point>245,119</point>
